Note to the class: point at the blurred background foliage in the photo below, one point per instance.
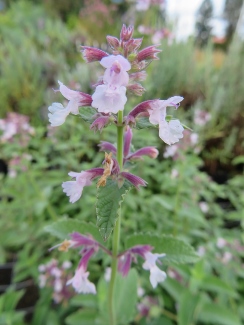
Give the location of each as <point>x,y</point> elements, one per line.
<point>195,193</point>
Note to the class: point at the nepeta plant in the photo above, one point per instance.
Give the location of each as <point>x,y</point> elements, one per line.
<point>124,68</point>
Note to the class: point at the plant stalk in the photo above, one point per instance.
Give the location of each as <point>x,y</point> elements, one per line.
<point>116,233</point>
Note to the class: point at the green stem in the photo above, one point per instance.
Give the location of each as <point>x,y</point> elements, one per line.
<point>116,233</point>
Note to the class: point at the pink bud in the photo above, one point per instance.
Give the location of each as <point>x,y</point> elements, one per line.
<point>126,33</point>
<point>107,146</point>
<point>138,76</point>
<point>113,42</point>
<point>149,53</point>
<point>133,45</point>
<point>133,179</point>
<point>146,151</point>
<point>142,107</point>
<point>91,54</point>
<point>124,264</point>
<point>100,123</point>
<point>136,89</point>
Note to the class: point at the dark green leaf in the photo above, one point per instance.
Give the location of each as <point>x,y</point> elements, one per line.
<point>63,228</point>
<point>87,114</point>
<point>109,199</point>
<point>176,250</point>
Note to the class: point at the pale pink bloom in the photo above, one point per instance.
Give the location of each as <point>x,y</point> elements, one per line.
<point>157,111</point>
<point>156,275</point>
<point>170,151</point>
<point>170,132</point>
<point>201,251</point>
<point>142,5</point>
<point>66,265</point>
<point>42,280</point>
<point>174,173</point>
<point>221,242</point>
<point>81,283</point>
<point>227,257</point>
<point>204,207</point>
<point>74,189</point>
<point>58,113</point>
<point>109,99</point>
<point>107,274</point>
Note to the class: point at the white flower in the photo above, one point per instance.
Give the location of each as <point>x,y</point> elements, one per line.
<point>81,283</point>
<point>109,99</point>
<point>156,275</point>
<point>170,132</point>
<point>57,111</point>
<point>74,189</point>
<point>157,113</point>
<point>58,114</point>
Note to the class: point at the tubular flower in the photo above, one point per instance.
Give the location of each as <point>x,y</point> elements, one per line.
<point>57,111</point>
<point>170,132</point>
<point>110,97</point>
<point>74,189</point>
<point>156,275</point>
<point>81,283</point>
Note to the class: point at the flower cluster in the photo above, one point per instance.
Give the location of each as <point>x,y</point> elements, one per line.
<point>54,276</point>
<point>123,69</point>
<point>90,247</point>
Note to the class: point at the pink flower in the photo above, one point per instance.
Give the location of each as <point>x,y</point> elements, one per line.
<point>81,283</point>
<point>170,132</point>
<point>57,111</point>
<point>110,97</point>
<point>74,189</point>
<point>156,275</point>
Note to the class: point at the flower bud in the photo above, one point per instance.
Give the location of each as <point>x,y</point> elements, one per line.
<point>136,89</point>
<point>149,53</point>
<point>100,123</point>
<point>91,54</point>
<point>113,42</point>
<point>126,33</point>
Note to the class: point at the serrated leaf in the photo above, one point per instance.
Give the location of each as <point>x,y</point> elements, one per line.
<point>142,122</point>
<point>176,250</point>
<point>218,315</point>
<point>63,228</point>
<point>109,199</point>
<point>87,114</point>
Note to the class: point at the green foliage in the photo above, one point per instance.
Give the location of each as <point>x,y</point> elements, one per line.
<point>109,200</point>
<point>176,250</point>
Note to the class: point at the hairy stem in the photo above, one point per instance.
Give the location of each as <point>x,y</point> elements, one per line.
<point>116,233</point>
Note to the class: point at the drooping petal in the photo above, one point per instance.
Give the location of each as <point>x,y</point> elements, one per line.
<point>81,283</point>
<point>58,114</point>
<point>133,179</point>
<point>73,190</point>
<point>170,132</point>
<point>107,146</point>
<point>109,100</point>
<point>156,276</point>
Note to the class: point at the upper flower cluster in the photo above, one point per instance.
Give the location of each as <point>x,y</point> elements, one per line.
<point>123,70</point>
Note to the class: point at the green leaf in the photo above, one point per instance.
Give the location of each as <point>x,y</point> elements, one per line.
<point>63,228</point>
<point>143,123</point>
<point>87,114</point>
<point>188,305</point>
<point>125,298</point>
<point>109,199</point>
<point>218,315</point>
<point>88,300</point>
<point>212,283</point>
<point>176,250</point>
<point>82,317</point>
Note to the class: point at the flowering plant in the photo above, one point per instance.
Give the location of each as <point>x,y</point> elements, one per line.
<point>124,69</point>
